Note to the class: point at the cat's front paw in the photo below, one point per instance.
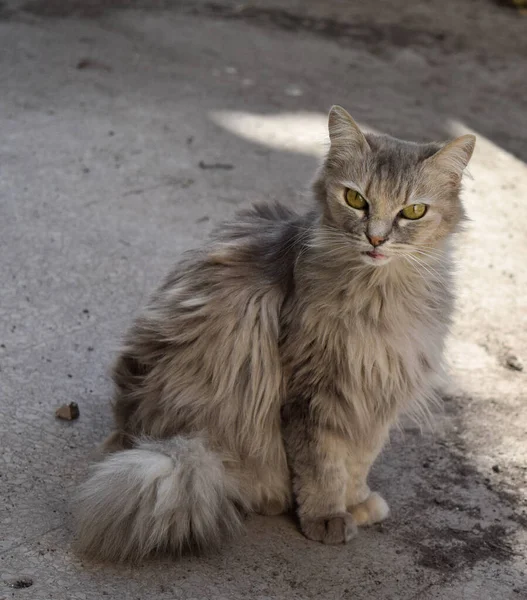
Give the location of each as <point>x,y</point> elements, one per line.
<point>335,529</point>
<point>373,510</point>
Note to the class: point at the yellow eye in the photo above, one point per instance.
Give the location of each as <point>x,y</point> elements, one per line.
<point>355,200</point>
<point>414,211</point>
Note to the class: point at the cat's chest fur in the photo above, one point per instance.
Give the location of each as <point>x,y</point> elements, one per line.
<point>367,346</point>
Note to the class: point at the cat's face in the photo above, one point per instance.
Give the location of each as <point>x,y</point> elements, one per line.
<point>390,198</point>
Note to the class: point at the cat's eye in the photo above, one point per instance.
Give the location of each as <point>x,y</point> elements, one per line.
<point>355,200</point>
<point>414,211</point>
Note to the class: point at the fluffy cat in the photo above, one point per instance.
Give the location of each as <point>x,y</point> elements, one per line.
<point>268,368</point>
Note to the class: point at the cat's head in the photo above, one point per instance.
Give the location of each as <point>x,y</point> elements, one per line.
<point>389,197</point>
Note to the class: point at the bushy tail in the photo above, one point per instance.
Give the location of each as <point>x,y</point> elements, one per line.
<point>163,495</point>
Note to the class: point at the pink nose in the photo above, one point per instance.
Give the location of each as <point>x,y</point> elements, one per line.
<point>376,240</point>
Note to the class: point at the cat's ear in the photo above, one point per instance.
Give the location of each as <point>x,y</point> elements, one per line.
<point>453,157</point>
<point>343,131</point>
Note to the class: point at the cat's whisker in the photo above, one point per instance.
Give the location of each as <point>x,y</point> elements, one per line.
<point>411,250</point>
<point>431,268</point>
<point>434,251</point>
<point>435,257</point>
<point>415,268</point>
<point>408,250</point>
<point>432,272</point>
<point>431,249</point>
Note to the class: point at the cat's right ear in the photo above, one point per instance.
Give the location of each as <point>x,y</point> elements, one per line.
<point>343,131</point>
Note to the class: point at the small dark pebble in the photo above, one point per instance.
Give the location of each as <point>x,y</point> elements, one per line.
<point>426,464</point>
<point>19,584</point>
<point>2,345</point>
<point>514,363</point>
<point>85,311</point>
<point>496,468</point>
<point>111,133</point>
<point>68,412</point>
<point>90,348</point>
<point>70,375</point>
<point>85,170</point>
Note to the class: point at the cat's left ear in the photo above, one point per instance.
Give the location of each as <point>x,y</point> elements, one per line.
<point>343,131</point>
<point>453,157</point>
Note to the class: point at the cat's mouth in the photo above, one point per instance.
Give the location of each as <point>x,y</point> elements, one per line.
<point>375,257</point>
<point>375,254</point>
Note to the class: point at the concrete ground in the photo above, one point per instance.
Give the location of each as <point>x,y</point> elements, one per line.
<point>129,129</point>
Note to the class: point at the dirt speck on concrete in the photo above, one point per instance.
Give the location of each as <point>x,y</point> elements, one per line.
<point>19,583</point>
<point>92,64</point>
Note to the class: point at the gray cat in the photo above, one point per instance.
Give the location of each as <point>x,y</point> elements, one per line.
<point>271,364</point>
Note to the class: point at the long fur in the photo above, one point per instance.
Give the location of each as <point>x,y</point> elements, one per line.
<point>272,362</point>
<point>168,495</point>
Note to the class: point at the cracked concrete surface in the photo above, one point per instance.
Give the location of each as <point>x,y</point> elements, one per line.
<point>110,114</point>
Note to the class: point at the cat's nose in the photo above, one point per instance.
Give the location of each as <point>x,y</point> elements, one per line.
<point>376,240</point>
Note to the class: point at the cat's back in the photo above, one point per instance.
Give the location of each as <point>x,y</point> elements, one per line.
<point>212,328</point>
<point>253,253</point>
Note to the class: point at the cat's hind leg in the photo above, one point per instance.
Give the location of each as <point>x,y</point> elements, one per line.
<point>265,484</point>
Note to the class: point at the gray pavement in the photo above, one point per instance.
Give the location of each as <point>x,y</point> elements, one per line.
<point>110,114</point>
